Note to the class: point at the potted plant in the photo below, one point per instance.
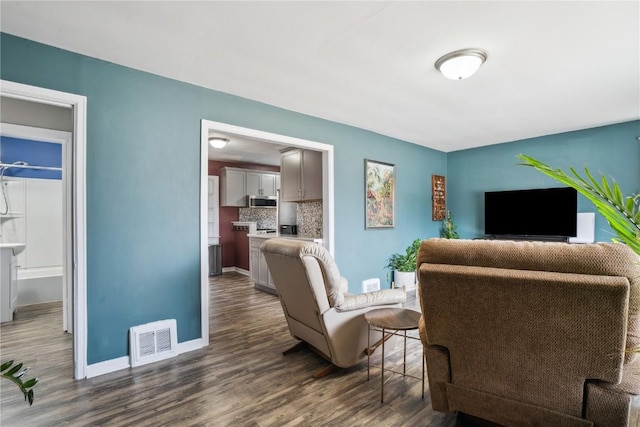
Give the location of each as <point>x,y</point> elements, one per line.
<point>15,373</point>
<point>448,229</point>
<point>622,213</point>
<point>403,266</point>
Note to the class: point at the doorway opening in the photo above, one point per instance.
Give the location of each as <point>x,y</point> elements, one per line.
<point>35,212</point>
<point>210,127</point>
<point>74,206</point>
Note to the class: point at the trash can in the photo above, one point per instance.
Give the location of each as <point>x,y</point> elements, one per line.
<point>215,260</point>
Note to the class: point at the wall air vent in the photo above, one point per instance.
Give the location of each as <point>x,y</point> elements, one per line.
<point>370,285</point>
<point>153,341</point>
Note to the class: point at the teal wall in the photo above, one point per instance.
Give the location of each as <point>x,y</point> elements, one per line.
<point>611,150</point>
<point>143,148</point>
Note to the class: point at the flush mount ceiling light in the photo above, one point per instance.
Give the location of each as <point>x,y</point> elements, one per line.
<point>218,141</point>
<point>461,64</point>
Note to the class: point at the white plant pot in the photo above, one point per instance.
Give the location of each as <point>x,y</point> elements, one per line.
<point>405,280</point>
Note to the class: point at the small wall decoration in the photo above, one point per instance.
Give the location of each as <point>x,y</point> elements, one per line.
<point>380,181</point>
<point>439,198</point>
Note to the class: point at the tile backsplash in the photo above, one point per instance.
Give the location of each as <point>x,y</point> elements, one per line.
<point>264,217</point>
<point>310,218</point>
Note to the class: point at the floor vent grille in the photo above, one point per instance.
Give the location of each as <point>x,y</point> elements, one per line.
<point>370,285</point>
<point>153,341</point>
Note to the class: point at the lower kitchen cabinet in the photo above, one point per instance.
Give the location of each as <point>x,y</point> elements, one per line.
<point>258,266</point>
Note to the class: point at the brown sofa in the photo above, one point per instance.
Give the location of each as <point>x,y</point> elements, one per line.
<point>531,333</point>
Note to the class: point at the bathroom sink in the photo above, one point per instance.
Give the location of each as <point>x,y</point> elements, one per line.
<point>17,247</point>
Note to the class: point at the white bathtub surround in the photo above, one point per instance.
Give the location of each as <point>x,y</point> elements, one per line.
<point>38,285</point>
<point>35,219</point>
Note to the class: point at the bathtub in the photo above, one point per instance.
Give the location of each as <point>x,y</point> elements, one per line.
<point>38,285</point>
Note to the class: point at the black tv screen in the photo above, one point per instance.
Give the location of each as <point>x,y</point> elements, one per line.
<point>539,212</point>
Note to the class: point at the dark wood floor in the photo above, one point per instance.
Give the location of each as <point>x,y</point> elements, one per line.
<point>241,379</point>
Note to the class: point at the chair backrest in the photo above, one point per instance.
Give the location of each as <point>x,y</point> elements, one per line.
<point>598,259</point>
<point>309,284</point>
<point>302,298</point>
<point>527,321</point>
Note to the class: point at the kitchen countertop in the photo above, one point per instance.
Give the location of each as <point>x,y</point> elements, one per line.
<point>286,236</point>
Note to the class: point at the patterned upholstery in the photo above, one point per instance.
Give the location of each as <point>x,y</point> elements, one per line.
<point>531,333</point>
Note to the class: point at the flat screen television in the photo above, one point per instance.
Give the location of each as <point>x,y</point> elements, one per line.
<point>544,212</point>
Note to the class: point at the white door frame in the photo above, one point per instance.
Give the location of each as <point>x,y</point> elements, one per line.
<point>327,194</point>
<point>64,139</point>
<point>214,206</point>
<point>77,233</point>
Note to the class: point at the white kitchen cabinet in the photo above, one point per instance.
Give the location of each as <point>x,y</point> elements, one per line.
<point>236,184</point>
<point>254,258</point>
<point>258,267</point>
<point>300,175</point>
<point>8,284</point>
<point>233,187</point>
<point>261,183</point>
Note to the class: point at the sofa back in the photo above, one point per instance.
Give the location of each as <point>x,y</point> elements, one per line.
<point>597,259</point>
<point>531,322</point>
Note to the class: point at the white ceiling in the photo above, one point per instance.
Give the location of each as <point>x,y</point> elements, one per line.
<point>553,66</point>
<point>246,150</point>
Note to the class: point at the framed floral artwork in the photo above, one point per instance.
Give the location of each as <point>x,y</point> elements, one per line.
<point>380,182</point>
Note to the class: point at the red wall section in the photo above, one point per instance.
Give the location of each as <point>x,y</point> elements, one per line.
<point>229,214</point>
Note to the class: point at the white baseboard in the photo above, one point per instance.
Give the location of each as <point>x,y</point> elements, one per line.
<point>187,346</point>
<point>242,271</point>
<point>236,270</point>
<point>107,366</point>
<point>113,365</point>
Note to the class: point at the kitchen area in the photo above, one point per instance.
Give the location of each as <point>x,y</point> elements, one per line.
<point>265,197</point>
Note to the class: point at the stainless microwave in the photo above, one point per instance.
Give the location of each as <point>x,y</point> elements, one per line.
<point>262,201</point>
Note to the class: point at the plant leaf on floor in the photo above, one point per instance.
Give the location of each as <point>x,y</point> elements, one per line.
<point>15,373</point>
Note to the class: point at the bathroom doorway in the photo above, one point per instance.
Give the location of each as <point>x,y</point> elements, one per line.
<point>74,205</point>
<point>35,205</point>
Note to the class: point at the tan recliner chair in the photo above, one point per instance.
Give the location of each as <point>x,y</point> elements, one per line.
<point>531,333</point>
<point>318,309</point>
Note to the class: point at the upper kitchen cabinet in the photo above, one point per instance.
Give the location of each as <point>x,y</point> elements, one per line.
<point>261,183</point>
<point>233,187</point>
<point>236,184</point>
<point>300,175</point>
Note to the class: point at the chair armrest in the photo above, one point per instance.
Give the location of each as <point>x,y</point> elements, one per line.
<point>383,297</point>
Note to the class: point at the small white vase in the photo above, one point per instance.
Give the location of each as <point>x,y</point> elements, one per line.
<point>405,280</point>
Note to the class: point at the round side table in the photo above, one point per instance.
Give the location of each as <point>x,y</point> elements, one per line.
<point>392,321</point>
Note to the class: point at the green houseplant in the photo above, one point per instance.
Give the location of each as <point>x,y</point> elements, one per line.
<point>403,266</point>
<point>621,212</point>
<point>448,229</point>
<point>14,373</point>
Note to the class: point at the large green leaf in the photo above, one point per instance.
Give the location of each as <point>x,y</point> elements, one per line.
<point>622,213</point>
<point>15,375</point>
